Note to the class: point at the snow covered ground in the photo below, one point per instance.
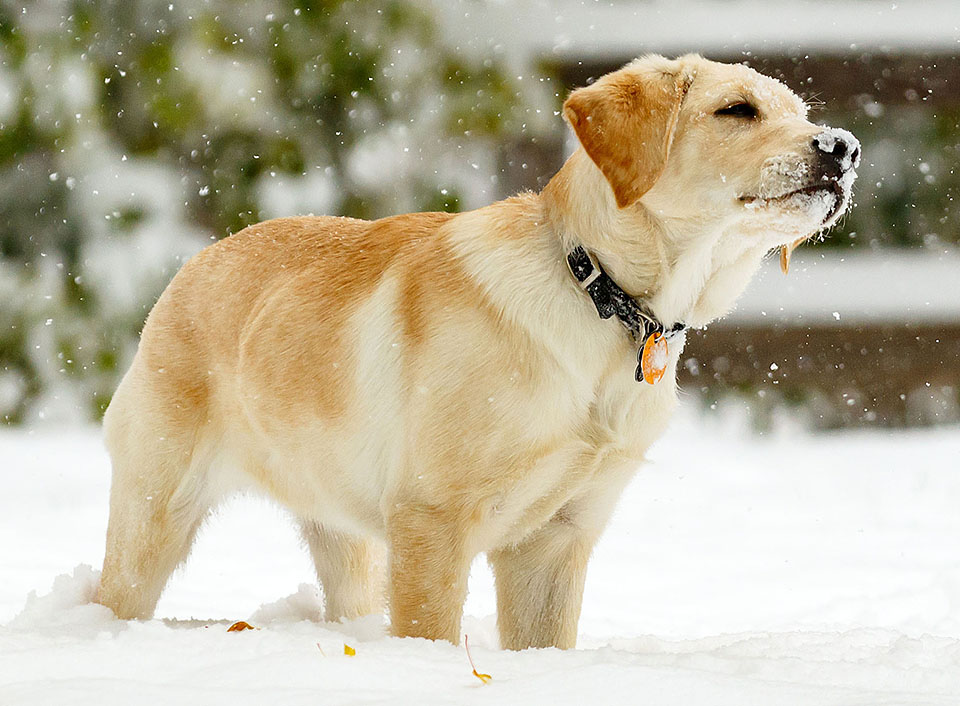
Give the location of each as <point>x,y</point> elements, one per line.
<point>776,570</point>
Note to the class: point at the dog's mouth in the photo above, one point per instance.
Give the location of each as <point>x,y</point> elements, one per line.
<point>809,195</point>
<point>830,197</point>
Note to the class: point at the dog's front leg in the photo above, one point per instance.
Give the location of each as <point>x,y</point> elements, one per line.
<point>540,586</point>
<point>540,579</point>
<point>429,567</point>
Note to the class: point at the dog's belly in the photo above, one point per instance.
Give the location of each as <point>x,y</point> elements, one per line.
<point>325,475</point>
<point>350,474</point>
<point>352,482</point>
<point>329,468</point>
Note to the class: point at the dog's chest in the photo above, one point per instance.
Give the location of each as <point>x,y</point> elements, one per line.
<point>627,416</point>
<point>581,480</point>
<point>632,413</point>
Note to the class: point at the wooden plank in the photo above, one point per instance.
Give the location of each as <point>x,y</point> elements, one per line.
<point>889,77</point>
<point>883,374</point>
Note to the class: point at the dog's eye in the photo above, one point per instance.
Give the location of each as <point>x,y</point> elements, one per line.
<point>739,110</point>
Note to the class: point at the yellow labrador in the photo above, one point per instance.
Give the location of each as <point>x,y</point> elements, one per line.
<point>438,385</point>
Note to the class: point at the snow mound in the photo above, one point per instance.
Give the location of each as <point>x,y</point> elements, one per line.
<point>302,611</point>
<point>68,608</point>
<point>305,604</point>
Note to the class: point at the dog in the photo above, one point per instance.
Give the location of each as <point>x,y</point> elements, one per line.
<point>426,387</point>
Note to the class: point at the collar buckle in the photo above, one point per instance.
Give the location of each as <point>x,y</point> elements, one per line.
<point>611,300</point>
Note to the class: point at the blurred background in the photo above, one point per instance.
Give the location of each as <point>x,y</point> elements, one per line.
<point>134,132</point>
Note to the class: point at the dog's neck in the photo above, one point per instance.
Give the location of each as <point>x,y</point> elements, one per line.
<point>580,207</point>
<point>681,271</point>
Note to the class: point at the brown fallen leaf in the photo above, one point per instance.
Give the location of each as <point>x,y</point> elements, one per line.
<point>349,651</point>
<point>485,678</point>
<point>240,626</point>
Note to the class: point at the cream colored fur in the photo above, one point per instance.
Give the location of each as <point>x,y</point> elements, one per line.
<point>427,387</point>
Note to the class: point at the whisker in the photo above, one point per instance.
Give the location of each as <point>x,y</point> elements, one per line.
<point>813,101</point>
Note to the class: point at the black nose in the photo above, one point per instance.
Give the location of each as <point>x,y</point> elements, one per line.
<point>839,144</point>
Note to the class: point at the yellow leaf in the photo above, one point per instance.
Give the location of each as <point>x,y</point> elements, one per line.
<point>485,678</point>
<point>349,651</point>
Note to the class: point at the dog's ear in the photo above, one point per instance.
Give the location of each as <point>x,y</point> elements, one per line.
<point>626,122</point>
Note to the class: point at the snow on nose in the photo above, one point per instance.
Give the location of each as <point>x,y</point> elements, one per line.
<point>840,144</point>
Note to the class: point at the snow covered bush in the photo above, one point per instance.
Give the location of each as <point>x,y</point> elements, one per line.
<point>133,133</point>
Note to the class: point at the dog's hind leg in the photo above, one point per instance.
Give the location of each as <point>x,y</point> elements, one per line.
<point>158,500</point>
<point>350,569</point>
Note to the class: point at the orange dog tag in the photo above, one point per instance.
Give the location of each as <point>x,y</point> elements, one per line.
<point>653,360</point>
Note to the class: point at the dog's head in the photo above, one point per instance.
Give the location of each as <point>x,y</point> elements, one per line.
<point>716,145</point>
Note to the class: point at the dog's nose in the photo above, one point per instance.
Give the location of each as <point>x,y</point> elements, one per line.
<point>839,144</point>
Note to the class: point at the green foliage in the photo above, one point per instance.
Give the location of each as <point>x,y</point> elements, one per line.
<point>906,193</point>
<point>219,99</point>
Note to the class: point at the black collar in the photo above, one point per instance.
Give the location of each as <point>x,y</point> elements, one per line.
<point>611,300</point>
